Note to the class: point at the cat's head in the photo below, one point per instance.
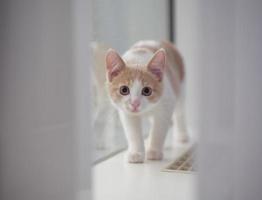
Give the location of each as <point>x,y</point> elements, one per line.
<point>135,89</point>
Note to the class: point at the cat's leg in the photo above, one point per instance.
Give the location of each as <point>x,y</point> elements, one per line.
<point>179,120</point>
<point>180,127</point>
<point>133,130</point>
<point>159,129</point>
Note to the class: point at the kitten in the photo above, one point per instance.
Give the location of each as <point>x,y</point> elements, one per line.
<point>147,82</point>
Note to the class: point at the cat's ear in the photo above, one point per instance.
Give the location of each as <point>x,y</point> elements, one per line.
<point>157,64</point>
<point>114,64</point>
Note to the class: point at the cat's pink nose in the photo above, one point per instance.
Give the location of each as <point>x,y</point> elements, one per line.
<point>135,103</point>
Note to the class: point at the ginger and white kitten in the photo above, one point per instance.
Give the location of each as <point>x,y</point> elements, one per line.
<point>147,82</point>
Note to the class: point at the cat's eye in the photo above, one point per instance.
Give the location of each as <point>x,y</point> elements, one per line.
<point>124,90</point>
<point>146,91</point>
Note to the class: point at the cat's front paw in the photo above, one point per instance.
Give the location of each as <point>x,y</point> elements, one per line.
<point>135,157</point>
<point>154,155</point>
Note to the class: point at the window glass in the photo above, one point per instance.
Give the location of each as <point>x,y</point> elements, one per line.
<point>118,24</point>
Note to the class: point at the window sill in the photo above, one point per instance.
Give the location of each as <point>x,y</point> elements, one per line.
<point>117,180</point>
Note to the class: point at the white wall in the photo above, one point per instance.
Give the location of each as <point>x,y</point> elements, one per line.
<point>220,41</point>
<point>44,141</point>
<point>248,176</point>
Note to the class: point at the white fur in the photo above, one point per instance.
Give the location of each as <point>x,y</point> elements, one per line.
<point>160,117</point>
<point>132,56</point>
<point>135,93</point>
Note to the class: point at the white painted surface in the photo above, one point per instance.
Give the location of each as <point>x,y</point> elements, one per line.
<point>45,151</point>
<point>221,43</point>
<point>115,179</point>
